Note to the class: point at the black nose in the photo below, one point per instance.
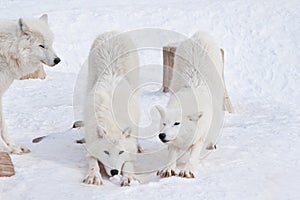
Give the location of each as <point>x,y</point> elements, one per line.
<point>114,172</point>
<point>56,60</point>
<point>162,136</point>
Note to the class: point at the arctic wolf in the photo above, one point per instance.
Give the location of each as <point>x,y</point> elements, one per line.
<point>111,111</point>
<point>187,120</point>
<point>24,44</point>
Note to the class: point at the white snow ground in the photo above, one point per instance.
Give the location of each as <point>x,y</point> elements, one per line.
<point>258,151</point>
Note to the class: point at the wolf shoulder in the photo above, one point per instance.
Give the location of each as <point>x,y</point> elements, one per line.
<point>113,54</point>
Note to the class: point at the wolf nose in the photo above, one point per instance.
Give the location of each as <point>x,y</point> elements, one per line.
<point>114,172</point>
<point>162,136</point>
<point>56,60</point>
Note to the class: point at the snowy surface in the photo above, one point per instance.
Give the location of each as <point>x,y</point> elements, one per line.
<point>258,151</point>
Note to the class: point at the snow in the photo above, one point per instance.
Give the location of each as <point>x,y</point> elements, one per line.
<point>258,150</point>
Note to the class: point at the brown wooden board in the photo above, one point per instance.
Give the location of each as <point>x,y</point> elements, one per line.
<point>227,102</point>
<point>6,165</point>
<point>168,63</point>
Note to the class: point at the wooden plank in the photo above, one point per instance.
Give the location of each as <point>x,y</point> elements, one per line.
<point>227,102</point>
<point>6,165</point>
<point>168,63</point>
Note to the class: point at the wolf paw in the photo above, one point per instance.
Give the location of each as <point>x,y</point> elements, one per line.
<point>167,172</point>
<point>211,146</point>
<point>94,179</point>
<point>127,180</point>
<point>186,174</point>
<point>18,149</point>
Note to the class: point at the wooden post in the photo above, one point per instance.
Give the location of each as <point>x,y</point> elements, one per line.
<point>168,63</point>
<point>227,102</point>
<point>6,166</point>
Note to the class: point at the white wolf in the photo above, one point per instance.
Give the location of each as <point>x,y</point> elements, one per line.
<point>111,111</point>
<point>186,122</point>
<point>24,44</point>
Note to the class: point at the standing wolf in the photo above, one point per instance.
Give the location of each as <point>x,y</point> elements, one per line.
<point>24,44</point>
<point>111,111</point>
<point>193,116</point>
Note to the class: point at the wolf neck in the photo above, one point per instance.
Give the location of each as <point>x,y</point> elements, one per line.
<point>104,90</point>
<point>16,55</point>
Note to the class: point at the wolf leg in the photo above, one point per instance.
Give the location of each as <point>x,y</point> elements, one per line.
<point>13,148</point>
<point>3,145</point>
<point>190,166</point>
<point>94,176</point>
<point>169,170</point>
<point>128,174</point>
<point>5,142</point>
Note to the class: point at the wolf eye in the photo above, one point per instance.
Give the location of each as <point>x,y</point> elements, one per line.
<point>106,152</point>
<point>176,123</point>
<point>121,152</point>
<point>42,46</point>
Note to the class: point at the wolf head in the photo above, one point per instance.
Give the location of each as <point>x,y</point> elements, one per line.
<point>36,41</point>
<point>114,151</point>
<point>175,123</point>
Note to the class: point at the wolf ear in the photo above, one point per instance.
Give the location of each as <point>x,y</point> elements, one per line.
<point>195,117</point>
<point>100,132</point>
<point>161,111</point>
<point>127,132</point>
<point>44,18</point>
<point>24,27</point>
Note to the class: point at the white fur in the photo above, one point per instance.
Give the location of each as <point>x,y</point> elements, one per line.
<point>191,103</point>
<point>20,54</point>
<point>108,126</point>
